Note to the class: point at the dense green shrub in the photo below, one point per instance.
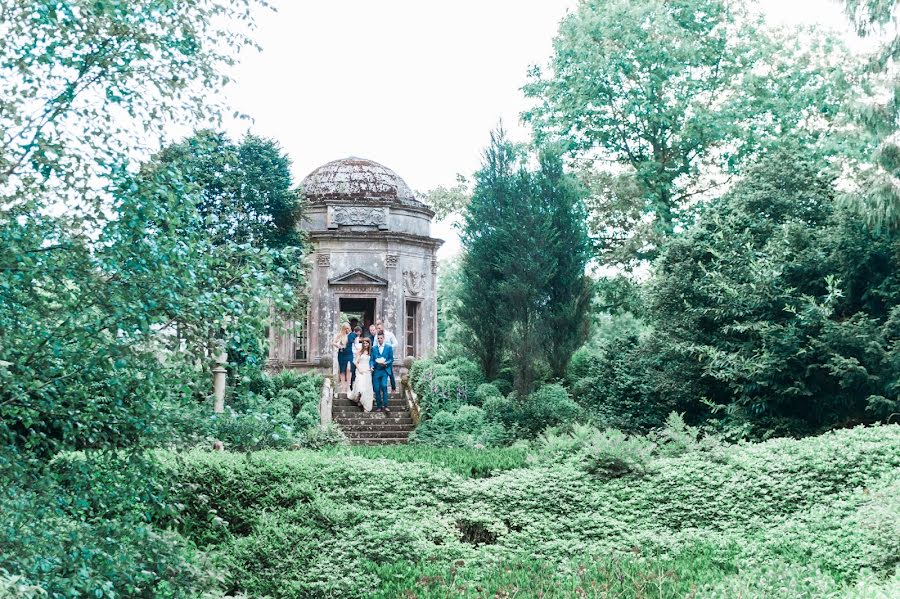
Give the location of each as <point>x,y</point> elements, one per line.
<point>608,380</point>
<point>486,391</point>
<point>605,454</point>
<point>445,386</point>
<point>549,406</point>
<point>782,518</point>
<point>269,412</point>
<point>470,375</point>
<point>318,437</point>
<point>465,427</point>
<point>90,524</point>
<point>466,462</point>
<point>780,305</point>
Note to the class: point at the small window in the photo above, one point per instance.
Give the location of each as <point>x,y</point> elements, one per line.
<point>412,328</point>
<point>301,338</point>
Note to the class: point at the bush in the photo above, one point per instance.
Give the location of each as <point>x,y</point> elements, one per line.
<point>444,392</point>
<point>470,375</point>
<point>549,406</point>
<point>467,462</point>
<point>445,386</point>
<point>319,437</point>
<point>606,454</point>
<point>466,427</point>
<point>782,518</point>
<point>93,524</point>
<point>607,380</point>
<point>486,391</point>
<point>268,412</point>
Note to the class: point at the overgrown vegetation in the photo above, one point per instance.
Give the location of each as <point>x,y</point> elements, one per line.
<point>811,518</point>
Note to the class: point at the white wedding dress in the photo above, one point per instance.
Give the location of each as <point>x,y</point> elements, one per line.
<point>362,386</point>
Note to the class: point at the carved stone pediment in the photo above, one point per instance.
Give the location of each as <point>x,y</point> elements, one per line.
<point>358,276</point>
<point>359,216</point>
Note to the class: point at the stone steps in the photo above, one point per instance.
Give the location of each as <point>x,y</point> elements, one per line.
<point>397,441</point>
<point>386,421</point>
<point>380,428</point>
<point>346,403</point>
<point>373,428</point>
<point>371,435</point>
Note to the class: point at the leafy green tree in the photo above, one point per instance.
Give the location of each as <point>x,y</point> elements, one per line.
<point>449,201</point>
<point>245,188</point>
<point>524,286</point>
<point>779,306</point>
<point>247,209</point>
<point>877,173</point>
<point>482,308</point>
<point>451,332</point>
<point>569,290</point>
<point>96,264</point>
<point>673,97</point>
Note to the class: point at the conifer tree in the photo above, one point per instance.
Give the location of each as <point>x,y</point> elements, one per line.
<point>481,308</point>
<point>524,288</point>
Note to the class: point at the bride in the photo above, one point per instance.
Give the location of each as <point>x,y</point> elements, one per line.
<point>363,392</point>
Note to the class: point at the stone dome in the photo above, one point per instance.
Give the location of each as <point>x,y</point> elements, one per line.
<point>357,180</point>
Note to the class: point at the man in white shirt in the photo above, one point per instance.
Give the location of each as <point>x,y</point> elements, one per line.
<point>389,337</point>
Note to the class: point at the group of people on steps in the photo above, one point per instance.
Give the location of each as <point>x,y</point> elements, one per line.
<point>365,360</point>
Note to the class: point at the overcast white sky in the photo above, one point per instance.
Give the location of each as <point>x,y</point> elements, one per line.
<point>414,85</point>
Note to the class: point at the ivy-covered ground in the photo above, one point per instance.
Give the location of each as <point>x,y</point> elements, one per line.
<point>586,514</point>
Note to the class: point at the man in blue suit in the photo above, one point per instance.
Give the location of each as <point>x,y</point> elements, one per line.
<point>382,361</point>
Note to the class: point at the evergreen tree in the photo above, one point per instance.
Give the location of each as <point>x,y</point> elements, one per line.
<point>524,287</point>
<point>481,307</point>
<point>570,290</point>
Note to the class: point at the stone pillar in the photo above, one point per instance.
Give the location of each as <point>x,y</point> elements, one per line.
<point>219,378</point>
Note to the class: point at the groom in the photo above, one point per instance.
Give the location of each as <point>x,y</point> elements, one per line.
<point>381,371</point>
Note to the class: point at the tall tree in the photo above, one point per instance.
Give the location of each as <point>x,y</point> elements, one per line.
<point>672,96</point>
<point>878,175</point>
<point>492,205</point>
<point>779,304</point>
<point>95,264</point>
<point>524,287</point>
<point>245,188</point>
<point>569,289</point>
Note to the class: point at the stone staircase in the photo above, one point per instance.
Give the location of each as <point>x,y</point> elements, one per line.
<point>373,428</point>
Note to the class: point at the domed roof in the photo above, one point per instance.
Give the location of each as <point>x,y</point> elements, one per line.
<point>357,179</point>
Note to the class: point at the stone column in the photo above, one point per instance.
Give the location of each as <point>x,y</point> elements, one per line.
<point>219,378</point>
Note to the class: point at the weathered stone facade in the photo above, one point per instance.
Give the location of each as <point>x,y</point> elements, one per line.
<point>372,253</point>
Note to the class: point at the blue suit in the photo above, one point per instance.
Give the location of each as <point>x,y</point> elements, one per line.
<point>381,373</point>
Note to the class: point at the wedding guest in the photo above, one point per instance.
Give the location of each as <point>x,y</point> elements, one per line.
<point>389,339</point>
<point>353,340</point>
<point>382,362</point>
<point>344,356</point>
<point>373,332</point>
<point>363,393</point>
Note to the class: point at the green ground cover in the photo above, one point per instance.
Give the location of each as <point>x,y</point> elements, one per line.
<point>818,517</point>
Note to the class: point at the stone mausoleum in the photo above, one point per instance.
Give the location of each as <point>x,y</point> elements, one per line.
<point>373,258</point>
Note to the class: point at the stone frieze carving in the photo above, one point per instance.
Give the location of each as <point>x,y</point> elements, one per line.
<point>413,281</point>
<point>434,267</point>
<point>323,259</point>
<point>391,260</point>
<point>359,216</point>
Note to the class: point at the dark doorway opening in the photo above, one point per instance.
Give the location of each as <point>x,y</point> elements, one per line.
<point>360,308</point>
